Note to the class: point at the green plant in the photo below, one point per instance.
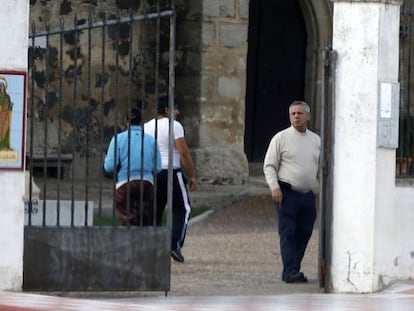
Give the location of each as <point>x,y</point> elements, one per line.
<point>104,220</point>
<point>108,220</point>
<point>195,211</point>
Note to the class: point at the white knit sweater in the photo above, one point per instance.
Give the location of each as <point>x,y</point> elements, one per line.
<point>293,157</point>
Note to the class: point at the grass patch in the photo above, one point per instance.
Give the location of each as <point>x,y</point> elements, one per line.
<point>108,220</point>
<point>195,211</point>
<point>198,211</point>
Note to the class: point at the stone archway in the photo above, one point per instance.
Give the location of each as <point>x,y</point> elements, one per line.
<point>317,18</point>
<point>317,15</point>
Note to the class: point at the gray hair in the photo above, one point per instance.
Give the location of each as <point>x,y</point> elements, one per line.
<point>300,102</point>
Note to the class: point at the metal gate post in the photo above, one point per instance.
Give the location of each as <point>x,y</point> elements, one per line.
<point>327,141</point>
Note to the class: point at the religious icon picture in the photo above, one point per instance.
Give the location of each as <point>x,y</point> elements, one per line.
<point>12,119</point>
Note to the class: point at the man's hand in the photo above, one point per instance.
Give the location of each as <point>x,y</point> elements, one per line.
<point>277,195</point>
<point>192,183</point>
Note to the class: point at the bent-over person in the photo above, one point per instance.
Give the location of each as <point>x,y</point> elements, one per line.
<point>135,160</point>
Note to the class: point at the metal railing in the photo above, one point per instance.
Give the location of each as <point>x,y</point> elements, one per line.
<point>82,80</point>
<point>405,151</point>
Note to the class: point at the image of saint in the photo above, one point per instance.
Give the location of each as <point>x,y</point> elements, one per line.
<point>5,115</point>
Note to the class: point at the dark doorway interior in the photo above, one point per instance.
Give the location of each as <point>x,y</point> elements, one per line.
<point>275,70</point>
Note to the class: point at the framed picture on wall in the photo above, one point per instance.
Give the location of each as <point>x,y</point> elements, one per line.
<point>12,119</point>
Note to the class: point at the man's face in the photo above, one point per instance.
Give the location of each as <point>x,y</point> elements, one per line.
<point>299,117</point>
<point>176,112</point>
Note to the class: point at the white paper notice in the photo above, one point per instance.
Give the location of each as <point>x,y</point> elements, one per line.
<point>386,100</point>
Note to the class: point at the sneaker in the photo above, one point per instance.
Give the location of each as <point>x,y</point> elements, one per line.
<point>177,256</point>
<point>297,277</point>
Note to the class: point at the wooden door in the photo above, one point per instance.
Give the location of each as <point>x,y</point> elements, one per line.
<point>275,70</point>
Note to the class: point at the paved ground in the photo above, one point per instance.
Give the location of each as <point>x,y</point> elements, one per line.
<point>235,251</point>
<point>232,263</point>
<point>399,298</point>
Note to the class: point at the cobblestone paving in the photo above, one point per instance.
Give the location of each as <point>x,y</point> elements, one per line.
<point>235,251</point>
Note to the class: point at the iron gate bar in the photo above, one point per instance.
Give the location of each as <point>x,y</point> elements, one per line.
<point>88,105</point>
<point>171,93</point>
<point>116,119</point>
<point>121,20</point>
<point>101,115</point>
<point>156,95</point>
<point>143,79</point>
<point>74,105</point>
<point>128,205</point>
<point>30,203</point>
<point>45,114</point>
<point>59,151</point>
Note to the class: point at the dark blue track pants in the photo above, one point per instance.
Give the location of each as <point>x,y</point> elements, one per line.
<point>296,218</point>
<point>181,207</point>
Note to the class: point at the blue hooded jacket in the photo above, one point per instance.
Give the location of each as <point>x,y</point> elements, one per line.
<point>120,163</point>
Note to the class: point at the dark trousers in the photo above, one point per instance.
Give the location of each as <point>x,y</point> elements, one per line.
<point>296,218</point>
<point>138,212</point>
<point>181,207</point>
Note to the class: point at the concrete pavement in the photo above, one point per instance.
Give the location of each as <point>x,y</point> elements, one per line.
<point>399,297</point>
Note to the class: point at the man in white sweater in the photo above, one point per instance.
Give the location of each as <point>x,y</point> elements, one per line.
<point>291,170</point>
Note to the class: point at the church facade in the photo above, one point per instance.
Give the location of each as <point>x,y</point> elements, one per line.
<point>372,215</point>
<point>240,64</point>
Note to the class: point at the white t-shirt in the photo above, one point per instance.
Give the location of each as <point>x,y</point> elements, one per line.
<point>162,139</point>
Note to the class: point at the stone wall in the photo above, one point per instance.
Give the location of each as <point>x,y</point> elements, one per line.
<point>211,82</point>
<point>210,78</point>
<point>89,85</point>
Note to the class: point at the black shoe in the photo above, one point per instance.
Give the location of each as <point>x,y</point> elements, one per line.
<point>177,256</point>
<point>297,277</point>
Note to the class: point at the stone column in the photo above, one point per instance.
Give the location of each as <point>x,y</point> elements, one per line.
<point>13,56</point>
<point>366,39</point>
<point>211,81</point>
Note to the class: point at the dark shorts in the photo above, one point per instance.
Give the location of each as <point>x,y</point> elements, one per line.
<point>138,210</point>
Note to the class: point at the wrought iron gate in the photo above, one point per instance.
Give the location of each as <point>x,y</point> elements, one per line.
<point>405,152</point>
<point>82,79</point>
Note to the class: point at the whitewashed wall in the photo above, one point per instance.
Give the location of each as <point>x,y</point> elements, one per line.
<point>372,242</point>
<point>401,261</point>
<point>13,56</point>
<point>355,145</point>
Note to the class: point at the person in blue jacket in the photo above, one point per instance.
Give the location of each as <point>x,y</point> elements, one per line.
<point>134,158</point>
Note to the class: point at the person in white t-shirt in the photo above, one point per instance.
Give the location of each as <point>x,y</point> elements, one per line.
<point>181,206</point>
<point>291,168</point>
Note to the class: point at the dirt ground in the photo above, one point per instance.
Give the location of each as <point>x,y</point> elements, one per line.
<point>235,251</point>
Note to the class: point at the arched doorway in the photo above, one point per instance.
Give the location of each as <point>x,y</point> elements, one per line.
<point>276,64</point>
<point>286,44</point>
